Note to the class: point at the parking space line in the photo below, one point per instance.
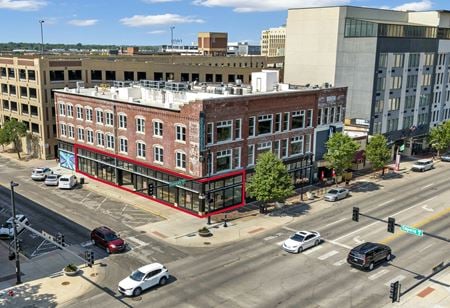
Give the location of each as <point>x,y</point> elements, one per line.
<point>340,262</point>
<point>87,196</point>
<point>328,254</point>
<point>378,274</point>
<point>398,278</point>
<point>101,203</point>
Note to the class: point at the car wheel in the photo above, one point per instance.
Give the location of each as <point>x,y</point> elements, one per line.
<point>137,292</point>
<point>371,266</point>
<point>108,251</point>
<point>300,249</point>
<point>388,257</point>
<point>162,281</point>
<point>317,242</point>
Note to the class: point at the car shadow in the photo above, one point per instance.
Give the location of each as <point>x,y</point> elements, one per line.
<point>172,279</point>
<point>364,187</point>
<point>294,210</point>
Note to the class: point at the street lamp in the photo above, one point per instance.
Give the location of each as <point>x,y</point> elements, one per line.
<point>42,36</point>
<point>16,240</point>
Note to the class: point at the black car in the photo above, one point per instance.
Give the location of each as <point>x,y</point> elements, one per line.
<point>366,255</point>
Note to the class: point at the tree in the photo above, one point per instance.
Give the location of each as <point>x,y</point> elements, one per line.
<point>341,151</point>
<point>271,181</point>
<point>3,138</point>
<point>439,137</point>
<point>378,153</point>
<point>14,131</point>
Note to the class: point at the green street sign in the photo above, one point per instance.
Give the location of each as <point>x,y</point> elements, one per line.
<point>411,230</point>
<point>177,183</point>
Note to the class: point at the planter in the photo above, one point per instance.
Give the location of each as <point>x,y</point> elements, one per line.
<point>204,232</point>
<point>71,270</point>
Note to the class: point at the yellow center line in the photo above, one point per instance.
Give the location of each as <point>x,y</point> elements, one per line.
<point>417,225</point>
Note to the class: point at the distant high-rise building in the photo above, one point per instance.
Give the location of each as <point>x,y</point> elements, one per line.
<point>273,42</point>
<point>213,43</point>
<point>243,49</point>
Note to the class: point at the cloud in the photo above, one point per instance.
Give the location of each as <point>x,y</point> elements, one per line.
<point>83,22</point>
<point>164,19</point>
<point>22,5</point>
<point>246,6</point>
<point>156,32</point>
<point>414,6</point>
<point>160,1</point>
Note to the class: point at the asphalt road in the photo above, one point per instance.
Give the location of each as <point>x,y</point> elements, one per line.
<point>258,273</point>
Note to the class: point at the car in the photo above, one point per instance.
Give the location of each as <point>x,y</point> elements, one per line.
<point>39,174</point>
<point>301,240</point>
<point>67,182</point>
<point>7,229</point>
<point>336,194</point>
<point>445,156</point>
<point>422,165</point>
<point>143,278</point>
<point>107,239</point>
<point>52,179</point>
<point>367,255</point>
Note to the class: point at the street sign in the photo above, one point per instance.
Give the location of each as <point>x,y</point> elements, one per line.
<point>177,183</point>
<point>411,230</point>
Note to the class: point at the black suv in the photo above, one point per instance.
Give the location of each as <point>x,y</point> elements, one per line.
<point>366,255</point>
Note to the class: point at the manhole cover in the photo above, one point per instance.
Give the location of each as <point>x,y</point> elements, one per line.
<point>94,274</point>
<point>207,243</point>
<point>65,283</point>
<point>137,298</point>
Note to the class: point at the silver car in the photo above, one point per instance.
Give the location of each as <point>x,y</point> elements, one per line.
<point>52,179</point>
<point>336,194</point>
<point>445,156</point>
<point>423,165</point>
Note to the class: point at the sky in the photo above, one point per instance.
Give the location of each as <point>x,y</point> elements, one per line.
<point>149,22</point>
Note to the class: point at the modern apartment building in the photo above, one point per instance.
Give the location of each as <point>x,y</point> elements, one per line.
<point>394,63</point>
<point>26,83</point>
<point>273,42</point>
<point>196,144</point>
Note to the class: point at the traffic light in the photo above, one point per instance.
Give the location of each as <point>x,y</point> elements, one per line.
<point>355,216</point>
<point>150,189</point>
<point>89,257</point>
<point>391,225</point>
<point>394,292</point>
<point>60,239</point>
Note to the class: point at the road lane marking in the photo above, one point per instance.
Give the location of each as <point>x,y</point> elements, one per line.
<point>340,262</point>
<point>334,222</point>
<point>354,270</point>
<point>384,203</point>
<point>271,237</point>
<point>337,244</point>
<point>427,209</point>
<point>137,241</point>
<point>289,229</point>
<point>428,246</point>
<point>310,251</point>
<point>426,186</point>
<point>398,278</point>
<point>379,274</point>
<point>358,240</point>
<point>86,244</point>
<point>328,254</point>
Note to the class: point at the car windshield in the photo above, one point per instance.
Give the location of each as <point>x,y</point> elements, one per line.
<point>7,225</point>
<point>64,180</point>
<point>52,177</point>
<point>110,237</point>
<point>421,163</point>
<point>333,191</point>
<point>297,237</point>
<point>137,275</point>
<point>38,171</point>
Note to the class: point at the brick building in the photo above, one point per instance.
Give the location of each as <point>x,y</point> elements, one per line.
<point>213,43</point>
<point>195,144</point>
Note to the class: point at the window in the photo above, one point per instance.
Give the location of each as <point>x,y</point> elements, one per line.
<point>56,75</point>
<point>429,58</point>
<point>278,122</point>
<point>110,141</point>
<point>286,121</point>
<point>62,109</point>
<point>90,136</point>
<point>79,113</point>
<point>122,121</point>
<point>284,148</point>
<point>422,119</point>
<point>99,116</point>
<point>392,125</point>
<point>63,129</point>
<point>263,147</point>
<point>100,139</point>
<point>298,119</point>
<point>237,128</point>
<point>307,143</point>
<point>110,75</point>
<point>265,124</point>
<point>69,110</point>
<point>140,125</point>
<point>224,130</point>
<point>394,103</point>
<point>80,134</point>
<point>377,128</point>
<point>33,93</point>
<point>180,133</point>
<point>123,145</point>
<point>223,160</point>
<point>398,60</point>
<point>251,126</point>
<point>413,60</point>
<point>296,145</point>
<point>140,149</point>
<point>309,118</point>
<point>426,79</point>
<point>380,83</point>
<point>379,106</point>
<point>410,102</point>
<point>96,75</point>
<point>157,128</point>
<point>180,160</point>
<point>396,82</point>
<point>408,122</point>
<point>88,114</point>
<point>411,81</point>
<point>71,131</point>
<point>158,154</point>
<point>74,75</point>
<point>31,75</point>
<point>209,133</point>
<point>109,118</point>
<point>251,155</point>
<point>382,60</point>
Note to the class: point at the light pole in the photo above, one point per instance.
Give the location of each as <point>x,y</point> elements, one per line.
<point>171,37</point>
<point>42,36</point>
<point>16,240</point>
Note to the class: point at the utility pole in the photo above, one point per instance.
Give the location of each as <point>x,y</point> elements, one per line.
<point>42,36</point>
<point>16,240</point>
<point>171,37</point>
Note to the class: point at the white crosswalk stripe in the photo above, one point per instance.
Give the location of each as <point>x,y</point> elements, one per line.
<point>378,274</point>
<point>328,254</point>
<point>340,262</point>
<point>310,251</point>
<point>354,270</point>
<point>398,278</point>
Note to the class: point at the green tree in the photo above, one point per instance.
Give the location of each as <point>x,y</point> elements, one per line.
<point>439,137</point>
<point>271,181</point>
<point>341,151</point>
<point>14,131</point>
<point>377,152</point>
<point>3,138</point>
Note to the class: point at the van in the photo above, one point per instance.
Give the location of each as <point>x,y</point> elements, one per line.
<point>67,181</point>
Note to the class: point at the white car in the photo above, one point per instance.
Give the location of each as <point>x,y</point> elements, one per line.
<point>423,165</point>
<point>39,174</point>
<point>143,278</point>
<point>52,179</point>
<point>67,182</point>
<point>302,240</point>
<point>336,194</point>
<point>7,229</point>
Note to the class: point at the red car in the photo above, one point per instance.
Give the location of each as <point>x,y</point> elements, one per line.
<point>108,239</point>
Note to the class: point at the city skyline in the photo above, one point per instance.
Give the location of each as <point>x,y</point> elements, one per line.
<point>148,22</point>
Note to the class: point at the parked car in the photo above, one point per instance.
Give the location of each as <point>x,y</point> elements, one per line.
<point>445,156</point>
<point>423,165</point>
<point>336,194</point>
<point>302,240</point>
<point>367,255</point>
<point>7,229</point>
<point>52,179</point>
<point>143,278</point>
<point>39,174</point>
<point>67,182</point>
<point>107,239</point>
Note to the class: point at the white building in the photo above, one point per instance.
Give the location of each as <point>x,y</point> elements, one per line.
<point>273,42</point>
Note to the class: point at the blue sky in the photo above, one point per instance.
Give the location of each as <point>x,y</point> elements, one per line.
<point>148,22</point>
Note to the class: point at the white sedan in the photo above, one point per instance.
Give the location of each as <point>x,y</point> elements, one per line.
<point>7,229</point>
<point>336,194</point>
<point>302,240</point>
<point>143,278</point>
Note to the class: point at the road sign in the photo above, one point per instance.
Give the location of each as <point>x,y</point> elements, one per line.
<point>411,230</point>
<point>177,183</point>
